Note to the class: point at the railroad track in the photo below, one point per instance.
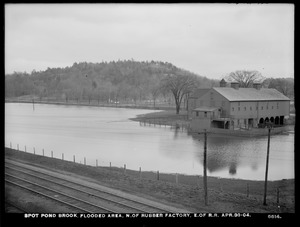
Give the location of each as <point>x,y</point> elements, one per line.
<point>78,196</point>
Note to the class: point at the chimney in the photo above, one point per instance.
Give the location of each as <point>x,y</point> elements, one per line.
<point>223,83</point>
<point>235,85</point>
<point>257,86</point>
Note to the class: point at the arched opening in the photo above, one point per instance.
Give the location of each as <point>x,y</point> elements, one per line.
<point>276,120</point>
<point>281,120</point>
<point>261,121</point>
<point>272,119</point>
<point>267,119</point>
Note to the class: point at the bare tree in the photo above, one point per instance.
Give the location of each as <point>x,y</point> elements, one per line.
<point>154,89</point>
<point>245,78</point>
<point>283,85</point>
<point>179,84</point>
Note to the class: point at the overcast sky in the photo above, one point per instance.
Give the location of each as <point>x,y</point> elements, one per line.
<point>211,40</point>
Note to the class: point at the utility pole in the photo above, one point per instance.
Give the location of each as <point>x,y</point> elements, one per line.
<point>204,168</point>
<point>267,166</point>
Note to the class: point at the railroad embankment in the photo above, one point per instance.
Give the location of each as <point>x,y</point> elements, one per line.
<point>224,195</point>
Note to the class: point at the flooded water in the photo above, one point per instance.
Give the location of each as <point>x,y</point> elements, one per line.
<point>106,135</point>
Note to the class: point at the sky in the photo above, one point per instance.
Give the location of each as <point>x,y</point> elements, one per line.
<point>210,40</point>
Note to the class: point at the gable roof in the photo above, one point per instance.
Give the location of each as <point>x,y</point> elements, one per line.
<point>205,109</point>
<point>199,92</point>
<point>251,94</point>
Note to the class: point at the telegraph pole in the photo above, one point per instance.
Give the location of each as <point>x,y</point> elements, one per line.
<point>204,168</point>
<point>267,166</point>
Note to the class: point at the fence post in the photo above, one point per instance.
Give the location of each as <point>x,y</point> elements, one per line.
<point>84,161</point>
<point>51,154</point>
<point>221,187</point>
<point>10,145</point>
<point>25,148</point>
<point>140,173</point>
<point>204,168</point>
<point>247,189</point>
<point>157,175</point>
<point>33,150</point>
<point>18,146</point>
<point>62,156</point>
<point>277,196</point>
<point>96,162</point>
<point>73,158</point>
<point>124,168</point>
<point>267,168</point>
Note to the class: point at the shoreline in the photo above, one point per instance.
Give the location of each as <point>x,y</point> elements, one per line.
<point>224,195</point>
<point>128,106</point>
<point>161,116</point>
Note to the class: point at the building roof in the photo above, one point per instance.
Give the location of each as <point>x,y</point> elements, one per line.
<point>199,92</point>
<point>251,94</point>
<point>205,108</point>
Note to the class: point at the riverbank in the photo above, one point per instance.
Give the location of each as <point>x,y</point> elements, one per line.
<point>181,121</point>
<point>90,103</point>
<point>164,117</point>
<point>224,195</point>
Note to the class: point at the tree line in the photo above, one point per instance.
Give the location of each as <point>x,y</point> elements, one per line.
<point>125,81</point>
<point>247,78</point>
<point>120,81</point>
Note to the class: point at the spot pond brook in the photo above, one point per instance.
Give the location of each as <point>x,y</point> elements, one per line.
<point>108,136</point>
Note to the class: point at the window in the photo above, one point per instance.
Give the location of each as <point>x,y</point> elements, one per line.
<point>245,108</point>
<point>250,107</point>
<point>262,108</point>
<point>239,108</point>
<point>232,109</point>
<point>197,114</point>
<point>205,114</point>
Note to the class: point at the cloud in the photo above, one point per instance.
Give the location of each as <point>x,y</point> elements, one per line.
<point>208,39</point>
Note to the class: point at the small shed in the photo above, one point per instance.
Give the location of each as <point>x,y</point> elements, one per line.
<point>203,116</point>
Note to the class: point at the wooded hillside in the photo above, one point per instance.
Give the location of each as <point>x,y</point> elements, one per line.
<point>126,81</point>
<point>121,81</point>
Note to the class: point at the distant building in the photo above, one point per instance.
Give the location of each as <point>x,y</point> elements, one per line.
<point>235,108</point>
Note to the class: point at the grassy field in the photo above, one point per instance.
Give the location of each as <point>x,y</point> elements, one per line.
<point>165,117</point>
<point>224,195</point>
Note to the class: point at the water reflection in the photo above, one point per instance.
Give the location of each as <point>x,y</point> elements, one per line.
<point>228,153</point>
<point>106,134</point>
<point>232,168</point>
